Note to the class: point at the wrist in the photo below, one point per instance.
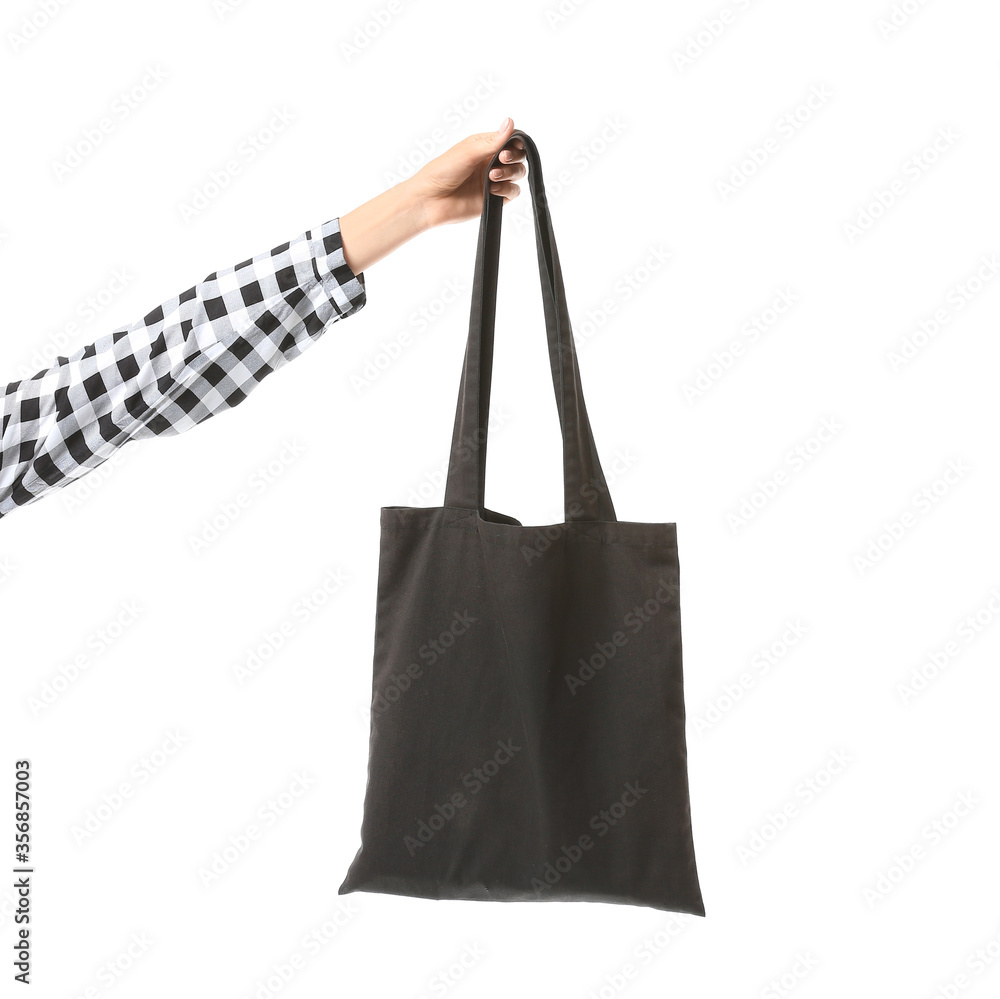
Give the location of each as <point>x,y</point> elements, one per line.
<point>379,226</point>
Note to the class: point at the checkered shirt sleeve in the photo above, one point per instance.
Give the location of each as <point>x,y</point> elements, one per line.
<point>195,355</point>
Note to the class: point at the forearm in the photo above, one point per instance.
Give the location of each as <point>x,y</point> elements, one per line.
<point>194,355</point>
<point>373,230</point>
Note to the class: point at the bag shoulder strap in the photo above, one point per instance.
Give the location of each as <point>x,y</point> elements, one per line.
<point>586,495</point>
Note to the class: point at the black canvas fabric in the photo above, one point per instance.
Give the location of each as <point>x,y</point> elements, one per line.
<point>528,726</point>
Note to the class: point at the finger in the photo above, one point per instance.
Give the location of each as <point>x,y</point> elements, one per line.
<point>510,172</point>
<point>512,154</point>
<point>508,189</point>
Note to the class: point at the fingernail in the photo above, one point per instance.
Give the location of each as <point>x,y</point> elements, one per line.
<point>503,124</point>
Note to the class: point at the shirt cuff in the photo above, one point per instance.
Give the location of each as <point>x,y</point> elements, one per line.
<point>346,289</point>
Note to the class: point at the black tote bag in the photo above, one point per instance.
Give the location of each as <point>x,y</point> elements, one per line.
<point>528,727</point>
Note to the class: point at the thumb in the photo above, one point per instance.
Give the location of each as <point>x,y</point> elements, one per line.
<point>502,134</point>
<point>483,144</point>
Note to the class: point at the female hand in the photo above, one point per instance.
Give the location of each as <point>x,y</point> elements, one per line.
<point>447,189</point>
<point>451,185</point>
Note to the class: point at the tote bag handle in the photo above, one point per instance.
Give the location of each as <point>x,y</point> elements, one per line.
<point>586,495</point>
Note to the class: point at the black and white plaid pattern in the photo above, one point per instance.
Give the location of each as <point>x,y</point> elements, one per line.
<point>191,357</point>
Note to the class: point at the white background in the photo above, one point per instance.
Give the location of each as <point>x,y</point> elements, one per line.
<point>635,150</point>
